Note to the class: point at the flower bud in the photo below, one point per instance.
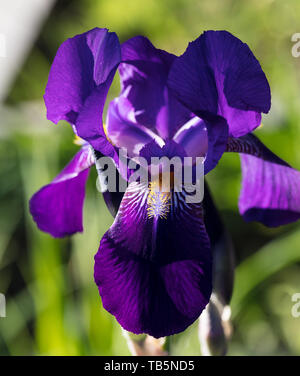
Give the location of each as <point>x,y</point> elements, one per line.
<point>145,345</point>
<point>211,331</point>
<point>223,268</point>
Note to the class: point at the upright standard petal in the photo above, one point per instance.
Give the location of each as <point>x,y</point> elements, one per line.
<point>57,207</point>
<point>143,77</point>
<point>270,187</point>
<point>219,74</point>
<point>122,130</point>
<point>153,267</point>
<point>79,80</point>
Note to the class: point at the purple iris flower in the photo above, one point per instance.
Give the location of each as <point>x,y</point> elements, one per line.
<point>154,265</point>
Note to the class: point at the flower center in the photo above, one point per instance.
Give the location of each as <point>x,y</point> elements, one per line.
<point>159,197</point>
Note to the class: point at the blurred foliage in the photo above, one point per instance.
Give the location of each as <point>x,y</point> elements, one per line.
<point>53,306</point>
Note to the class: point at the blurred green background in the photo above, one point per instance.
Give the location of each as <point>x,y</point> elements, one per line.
<point>53,306</point>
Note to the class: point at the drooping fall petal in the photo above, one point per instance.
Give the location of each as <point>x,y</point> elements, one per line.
<point>57,207</point>
<point>270,187</point>
<point>153,267</point>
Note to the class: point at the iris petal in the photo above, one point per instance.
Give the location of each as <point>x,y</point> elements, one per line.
<point>123,131</point>
<point>144,76</point>
<point>217,133</point>
<point>79,80</point>
<point>270,187</point>
<point>192,136</point>
<point>89,124</point>
<point>207,139</point>
<point>57,207</point>
<point>154,272</point>
<point>219,74</point>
